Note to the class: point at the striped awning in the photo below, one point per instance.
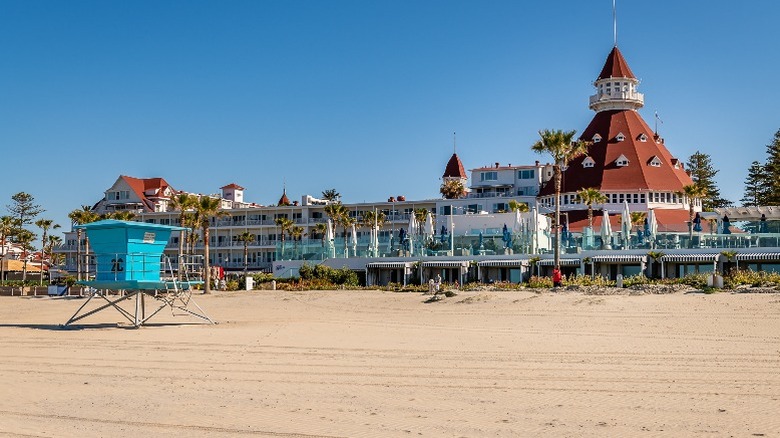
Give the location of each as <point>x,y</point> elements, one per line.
<point>619,258</point>
<point>502,263</point>
<point>387,265</point>
<point>700,257</point>
<point>564,262</point>
<point>445,264</point>
<point>775,256</point>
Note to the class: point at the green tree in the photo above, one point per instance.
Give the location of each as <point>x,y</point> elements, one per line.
<point>562,148</point>
<point>319,231</point>
<point>206,209</point>
<point>514,206</point>
<point>24,208</point>
<point>331,195</point>
<point>452,189</point>
<point>24,238</point>
<point>81,216</point>
<point>692,192</point>
<point>44,225</point>
<point>7,229</point>
<point>284,223</point>
<point>702,172</point>
<point>246,238</point>
<point>773,171</point>
<point>337,213</point>
<point>757,186</point>
<point>590,196</point>
<point>182,202</point>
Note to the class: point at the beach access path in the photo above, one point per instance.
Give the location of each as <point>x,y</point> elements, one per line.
<point>384,364</point>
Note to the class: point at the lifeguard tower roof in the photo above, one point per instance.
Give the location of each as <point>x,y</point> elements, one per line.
<point>128,254</point>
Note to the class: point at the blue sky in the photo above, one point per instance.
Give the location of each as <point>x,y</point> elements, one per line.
<point>360,96</point>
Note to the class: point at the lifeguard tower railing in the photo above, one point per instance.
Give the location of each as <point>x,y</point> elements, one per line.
<point>128,269</point>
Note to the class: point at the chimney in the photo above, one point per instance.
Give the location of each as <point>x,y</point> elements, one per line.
<point>496,165</point>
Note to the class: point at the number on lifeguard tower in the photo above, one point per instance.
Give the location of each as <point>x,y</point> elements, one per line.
<point>116,265</point>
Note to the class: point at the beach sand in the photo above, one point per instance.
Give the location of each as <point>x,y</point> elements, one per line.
<point>383,364</point>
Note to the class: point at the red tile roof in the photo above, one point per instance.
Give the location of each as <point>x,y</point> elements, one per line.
<point>616,66</point>
<point>284,200</point>
<point>140,186</point>
<point>454,168</point>
<point>605,175</point>
<point>232,186</point>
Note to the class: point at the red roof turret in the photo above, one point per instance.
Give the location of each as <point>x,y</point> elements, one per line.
<point>454,168</point>
<point>616,66</point>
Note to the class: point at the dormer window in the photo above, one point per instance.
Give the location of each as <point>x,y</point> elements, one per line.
<point>622,161</point>
<point>596,138</point>
<point>642,138</point>
<point>588,162</point>
<point>676,163</point>
<point>655,161</point>
<point>620,137</point>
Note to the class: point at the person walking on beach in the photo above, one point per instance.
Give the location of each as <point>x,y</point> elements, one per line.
<point>438,282</point>
<point>557,277</point>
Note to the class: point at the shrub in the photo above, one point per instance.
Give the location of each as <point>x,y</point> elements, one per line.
<point>587,280</point>
<point>635,280</point>
<point>540,282</point>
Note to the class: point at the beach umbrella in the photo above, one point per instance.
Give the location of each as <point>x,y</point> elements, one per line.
<point>517,227</point>
<point>507,236</point>
<point>430,230</point>
<point>329,239</point>
<point>762,227</point>
<point>652,223</point>
<point>565,234</point>
<point>640,237</point>
<point>481,243</point>
<point>625,225</point>
<point>697,222</point>
<point>354,241</point>
<point>401,235</point>
<point>375,240</point>
<point>606,231</point>
<point>726,225</point>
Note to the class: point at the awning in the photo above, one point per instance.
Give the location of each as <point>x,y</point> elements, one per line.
<point>775,256</point>
<point>619,258</point>
<point>445,264</point>
<point>706,257</point>
<point>387,265</point>
<point>502,263</point>
<point>564,262</point>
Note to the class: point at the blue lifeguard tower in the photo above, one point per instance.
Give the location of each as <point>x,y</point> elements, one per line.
<point>128,257</point>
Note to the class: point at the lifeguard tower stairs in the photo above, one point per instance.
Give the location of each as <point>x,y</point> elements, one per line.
<point>127,259</point>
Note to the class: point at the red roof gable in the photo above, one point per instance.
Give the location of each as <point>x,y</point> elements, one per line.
<point>605,175</point>
<point>232,186</point>
<point>616,66</point>
<point>454,168</point>
<point>140,186</point>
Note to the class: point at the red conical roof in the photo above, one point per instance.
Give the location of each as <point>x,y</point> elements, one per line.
<point>639,174</point>
<point>454,168</point>
<point>616,66</point>
<point>284,200</point>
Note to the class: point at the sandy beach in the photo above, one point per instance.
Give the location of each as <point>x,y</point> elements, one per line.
<point>384,364</point>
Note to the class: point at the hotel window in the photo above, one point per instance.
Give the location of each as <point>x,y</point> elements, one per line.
<point>636,198</point>
<point>588,162</point>
<point>655,162</point>
<point>488,176</point>
<point>500,207</point>
<point>596,138</point>
<point>622,161</point>
<point>643,138</point>
<point>525,174</point>
<point>473,208</point>
<point>620,137</point>
<point>621,198</point>
<point>165,221</point>
<point>642,198</point>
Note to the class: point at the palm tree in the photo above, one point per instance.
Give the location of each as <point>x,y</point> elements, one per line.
<point>563,148</point>
<point>7,229</point>
<point>246,238</point>
<point>320,229</point>
<point>692,192</point>
<point>45,225</point>
<point>53,241</point>
<point>514,206</point>
<point>81,216</point>
<point>656,256</point>
<point>206,209</point>
<point>182,202</point>
<point>346,221</point>
<point>337,212</point>
<point>590,196</point>
<point>25,238</point>
<point>296,233</point>
<point>452,189</point>
<point>638,218</point>
<point>123,215</point>
<point>331,195</point>
<point>284,223</point>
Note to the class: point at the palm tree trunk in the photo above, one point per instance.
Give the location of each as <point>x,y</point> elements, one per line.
<point>246,258</point>
<point>78,254</point>
<point>557,250</point>
<point>180,263</point>
<point>206,264</point>
<point>43,256</point>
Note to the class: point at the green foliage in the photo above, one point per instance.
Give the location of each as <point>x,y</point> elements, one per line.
<point>587,280</point>
<point>635,280</point>
<point>756,185</point>
<point>751,278</point>
<point>398,287</point>
<point>339,277</point>
<point>702,173</point>
<point>540,282</point>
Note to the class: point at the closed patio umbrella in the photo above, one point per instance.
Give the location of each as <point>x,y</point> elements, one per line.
<point>726,225</point>
<point>606,231</point>
<point>625,225</point>
<point>697,222</point>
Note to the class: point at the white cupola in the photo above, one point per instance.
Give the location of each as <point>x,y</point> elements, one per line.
<point>616,86</point>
